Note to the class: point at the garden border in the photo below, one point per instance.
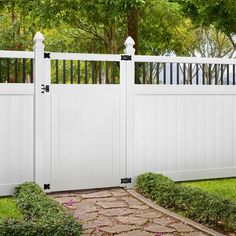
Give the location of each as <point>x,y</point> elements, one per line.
<point>172,214</point>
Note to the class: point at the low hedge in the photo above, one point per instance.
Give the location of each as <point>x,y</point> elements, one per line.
<point>206,208</point>
<point>41,215</point>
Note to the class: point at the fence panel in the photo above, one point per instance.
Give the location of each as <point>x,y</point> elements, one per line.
<point>185,131</point>
<point>75,121</point>
<point>16,136</point>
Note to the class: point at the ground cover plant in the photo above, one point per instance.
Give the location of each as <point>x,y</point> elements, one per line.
<point>40,215</point>
<point>207,208</point>
<point>8,208</point>
<point>222,187</point>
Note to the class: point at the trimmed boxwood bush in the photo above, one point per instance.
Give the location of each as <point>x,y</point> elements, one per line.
<point>42,215</point>
<point>206,208</point>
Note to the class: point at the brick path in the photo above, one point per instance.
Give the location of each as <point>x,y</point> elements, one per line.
<point>117,212</point>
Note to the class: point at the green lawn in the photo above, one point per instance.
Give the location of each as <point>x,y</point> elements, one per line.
<point>222,187</point>
<point>8,208</point>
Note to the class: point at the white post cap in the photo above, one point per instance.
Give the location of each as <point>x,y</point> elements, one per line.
<point>38,37</point>
<point>129,46</point>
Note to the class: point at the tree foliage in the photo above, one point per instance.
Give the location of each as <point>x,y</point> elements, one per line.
<point>220,13</point>
<point>157,26</point>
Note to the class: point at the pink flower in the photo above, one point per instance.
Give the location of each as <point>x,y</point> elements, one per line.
<point>99,229</point>
<point>70,202</point>
<point>77,217</point>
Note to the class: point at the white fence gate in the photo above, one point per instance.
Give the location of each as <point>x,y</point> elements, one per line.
<point>130,114</point>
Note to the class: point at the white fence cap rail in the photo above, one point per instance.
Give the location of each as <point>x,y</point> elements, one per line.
<point>16,54</point>
<point>84,56</point>
<point>154,89</point>
<point>193,60</point>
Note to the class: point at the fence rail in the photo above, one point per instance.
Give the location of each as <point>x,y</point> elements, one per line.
<point>79,68</point>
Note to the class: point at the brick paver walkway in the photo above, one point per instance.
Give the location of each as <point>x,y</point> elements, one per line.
<point>117,212</point>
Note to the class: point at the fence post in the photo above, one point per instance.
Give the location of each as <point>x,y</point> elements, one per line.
<point>130,96</point>
<point>41,114</point>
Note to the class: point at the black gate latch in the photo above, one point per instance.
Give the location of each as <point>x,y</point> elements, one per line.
<point>47,55</point>
<point>44,88</point>
<point>126,180</point>
<point>46,186</point>
<point>126,57</point>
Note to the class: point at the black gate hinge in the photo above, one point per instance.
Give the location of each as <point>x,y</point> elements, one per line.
<point>126,57</point>
<point>126,180</point>
<point>45,88</point>
<point>47,55</point>
<point>46,186</point>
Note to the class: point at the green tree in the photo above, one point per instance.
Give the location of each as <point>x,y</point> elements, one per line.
<point>220,13</point>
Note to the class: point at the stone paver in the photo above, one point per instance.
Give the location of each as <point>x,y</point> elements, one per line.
<point>111,204</point>
<point>117,212</point>
<point>193,234</point>
<point>136,233</point>
<point>149,214</point>
<point>163,221</point>
<point>116,229</point>
<point>132,220</point>
<point>182,227</point>
<point>98,194</point>
<point>159,228</point>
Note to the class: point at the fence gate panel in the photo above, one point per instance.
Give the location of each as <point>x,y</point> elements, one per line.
<point>86,136</point>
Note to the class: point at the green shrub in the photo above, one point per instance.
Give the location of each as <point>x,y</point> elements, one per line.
<point>42,215</point>
<point>203,207</point>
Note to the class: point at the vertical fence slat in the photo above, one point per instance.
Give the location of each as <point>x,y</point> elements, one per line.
<point>203,74</point>
<point>209,74</point>
<point>8,70</point>
<point>107,73</point>
<point>216,75</point>
<point>197,74</point>
<point>23,70</point>
<point>171,73</point>
<point>1,81</point>
<point>184,73</point>
<point>222,75</point>
<point>31,71</point>
<point>227,74</point>
<point>56,62</point>
<point>190,73</point>
<point>144,73</point>
<point>151,70</point>
<point>64,71</point>
<point>86,72</point>
<point>100,72</point>
<point>16,70</point>
<point>78,72</point>
<point>233,74</point>
<point>136,73</point>
<point>71,72</point>
<point>177,71</point>
<point>93,72</point>
<point>158,73</point>
<point>113,72</point>
<point>164,72</point>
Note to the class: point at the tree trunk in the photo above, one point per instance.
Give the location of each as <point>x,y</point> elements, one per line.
<point>132,19</point>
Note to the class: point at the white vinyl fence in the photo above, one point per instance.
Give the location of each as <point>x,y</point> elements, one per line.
<point>77,121</point>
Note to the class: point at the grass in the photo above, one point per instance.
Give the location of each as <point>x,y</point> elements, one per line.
<point>8,208</point>
<point>222,187</point>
